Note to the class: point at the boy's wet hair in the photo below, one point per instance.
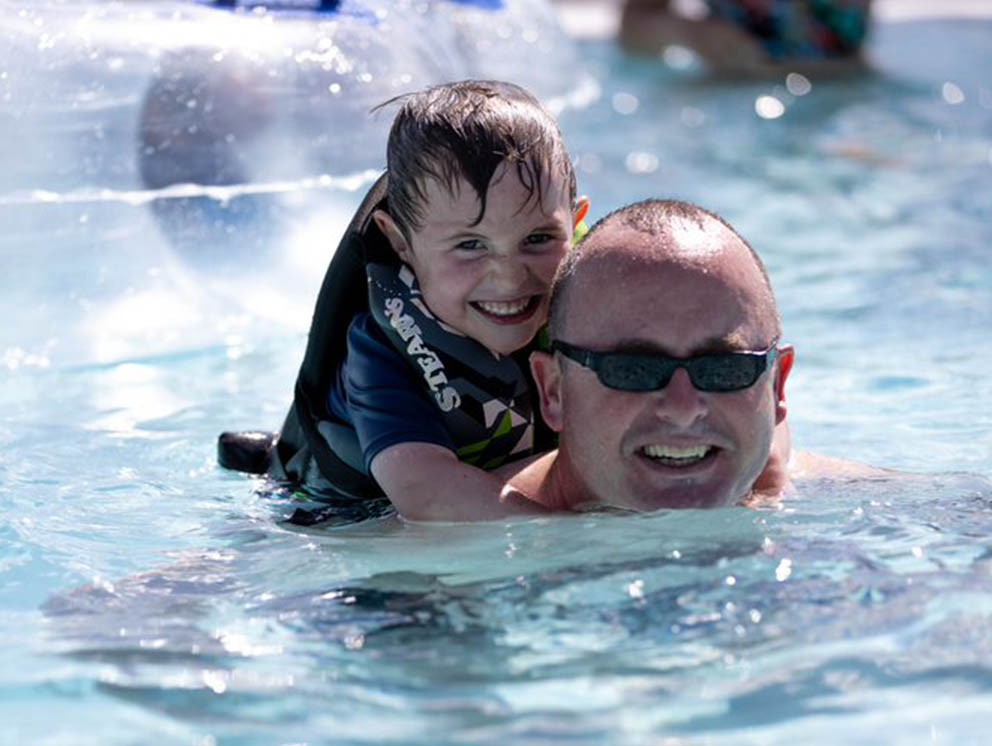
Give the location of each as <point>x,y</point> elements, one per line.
<point>465,130</point>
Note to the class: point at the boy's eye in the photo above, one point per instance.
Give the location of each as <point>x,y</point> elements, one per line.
<point>469,244</point>
<point>537,238</point>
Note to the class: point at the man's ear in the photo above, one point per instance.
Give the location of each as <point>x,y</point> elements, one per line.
<point>547,376</point>
<point>392,233</point>
<point>786,357</point>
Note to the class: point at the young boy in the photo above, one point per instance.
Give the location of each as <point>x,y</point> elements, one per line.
<point>414,382</point>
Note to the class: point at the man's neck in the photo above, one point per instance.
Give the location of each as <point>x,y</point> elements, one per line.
<point>774,478</point>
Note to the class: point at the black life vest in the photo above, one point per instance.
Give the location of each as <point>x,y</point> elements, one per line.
<point>486,401</point>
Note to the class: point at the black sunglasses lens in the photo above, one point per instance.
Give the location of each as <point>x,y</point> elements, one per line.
<point>634,372</point>
<point>726,372</point>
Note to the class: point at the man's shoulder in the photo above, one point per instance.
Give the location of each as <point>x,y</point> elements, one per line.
<point>806,465</point>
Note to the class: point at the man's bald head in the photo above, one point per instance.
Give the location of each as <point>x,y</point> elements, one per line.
<point>662,294</point>
<point>664,231</point>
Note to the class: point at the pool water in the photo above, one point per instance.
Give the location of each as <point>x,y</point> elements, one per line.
<point>150,597</point>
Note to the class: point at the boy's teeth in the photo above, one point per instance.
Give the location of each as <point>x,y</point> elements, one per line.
<point>673,454</point>
<point>503,308</point>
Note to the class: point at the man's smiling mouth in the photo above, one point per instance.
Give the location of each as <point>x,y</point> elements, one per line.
<point>677,456</point>
<point>507,310</point>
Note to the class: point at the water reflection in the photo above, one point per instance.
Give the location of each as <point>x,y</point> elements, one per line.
<point>714,622</point>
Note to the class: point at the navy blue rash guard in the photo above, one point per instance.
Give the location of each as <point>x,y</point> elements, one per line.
<point>381,397</point>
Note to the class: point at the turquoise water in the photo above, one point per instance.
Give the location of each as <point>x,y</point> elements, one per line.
<point>148,597</point>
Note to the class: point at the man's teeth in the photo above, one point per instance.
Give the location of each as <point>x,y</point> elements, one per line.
<point>674,455</point>
<point>504,308</point>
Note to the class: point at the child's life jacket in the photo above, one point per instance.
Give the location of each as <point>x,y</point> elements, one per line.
<point>488,402</point>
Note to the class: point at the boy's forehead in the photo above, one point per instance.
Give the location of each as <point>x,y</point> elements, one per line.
<point>445,191</point>
<point>454,200</point>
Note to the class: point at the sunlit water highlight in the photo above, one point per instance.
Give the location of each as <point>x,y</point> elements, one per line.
<point>149,597</point>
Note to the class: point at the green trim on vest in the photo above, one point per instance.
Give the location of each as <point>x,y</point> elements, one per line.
<point>581,229</point>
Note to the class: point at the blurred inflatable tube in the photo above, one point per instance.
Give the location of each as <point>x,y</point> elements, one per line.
<point>121,95</point>
<point>229,121</point>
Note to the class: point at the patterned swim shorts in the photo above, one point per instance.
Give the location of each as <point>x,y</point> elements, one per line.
<point>809,29</point>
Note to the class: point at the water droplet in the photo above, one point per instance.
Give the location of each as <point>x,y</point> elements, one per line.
<point>769,107</point>
<point>636,589</point>
<point>625,103</point>
<point>641,163</point>
<point>678,58</point>
<point>952,94</point>
<point>215,680</point>
<point>798,85</point>
<point>784,570</point>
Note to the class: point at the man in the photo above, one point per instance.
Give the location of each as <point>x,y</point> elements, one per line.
<point>666,379</point>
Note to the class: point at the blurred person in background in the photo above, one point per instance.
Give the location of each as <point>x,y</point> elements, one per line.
<point>752,37</point>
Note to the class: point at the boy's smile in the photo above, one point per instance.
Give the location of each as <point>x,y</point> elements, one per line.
<point>488,278</point>
<point>508,312</point>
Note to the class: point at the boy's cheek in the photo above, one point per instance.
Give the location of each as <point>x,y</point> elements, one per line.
<point>547,264</point>
<point>449,273</point>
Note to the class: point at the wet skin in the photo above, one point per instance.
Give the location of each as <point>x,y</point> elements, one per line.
<point>488,280</point>
<point>676,447</point>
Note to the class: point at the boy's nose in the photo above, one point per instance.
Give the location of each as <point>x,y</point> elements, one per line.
<point>509,272</point>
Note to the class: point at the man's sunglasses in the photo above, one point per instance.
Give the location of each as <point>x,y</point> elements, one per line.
<point>631,371</point>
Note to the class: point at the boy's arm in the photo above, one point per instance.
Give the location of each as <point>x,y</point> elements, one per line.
<point>406,445</point>
<point>427,482</point>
